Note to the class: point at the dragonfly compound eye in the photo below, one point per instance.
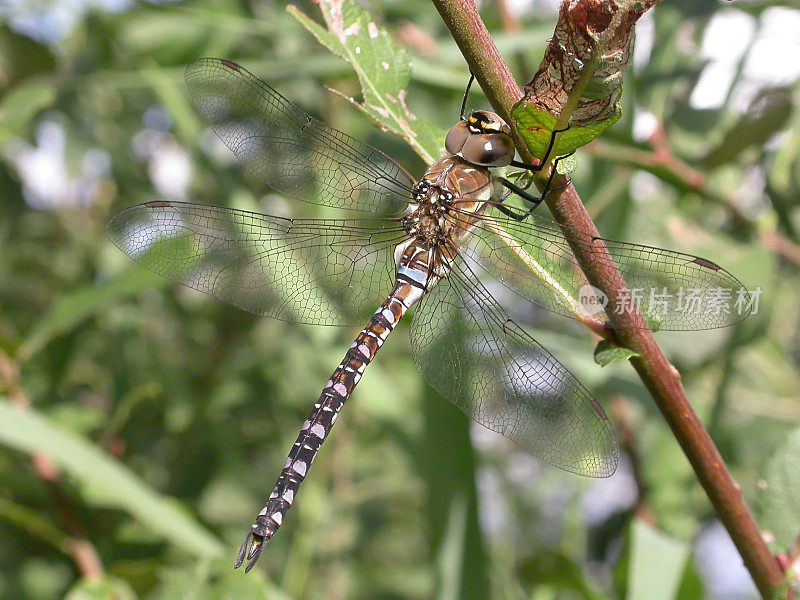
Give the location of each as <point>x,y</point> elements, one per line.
<point>456,137</point>
<point>483,139</point>
<point>489,149</point>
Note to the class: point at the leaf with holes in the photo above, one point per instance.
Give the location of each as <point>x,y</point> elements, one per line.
<point>579,81</point>
<point>536,127</point>
<point>383,71</point>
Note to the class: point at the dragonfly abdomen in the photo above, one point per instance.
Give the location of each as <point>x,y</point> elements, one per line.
<point>409,288</point>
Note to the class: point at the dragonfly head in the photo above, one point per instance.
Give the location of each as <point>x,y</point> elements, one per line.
<point>483,139</point>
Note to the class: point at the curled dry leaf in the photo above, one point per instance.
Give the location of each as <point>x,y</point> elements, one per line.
<point>579,81</point>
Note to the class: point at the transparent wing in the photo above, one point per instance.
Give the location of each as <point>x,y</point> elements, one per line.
<point>674,291</point>
<point>468,349</point>
<point>322,272</point>
<point>290,151</point>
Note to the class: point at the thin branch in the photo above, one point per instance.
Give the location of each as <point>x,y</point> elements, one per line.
<point>659,376</point>
<point>76,544</point>
<point>621,410</point>
<point>664,164</point>
<point>718,405</point>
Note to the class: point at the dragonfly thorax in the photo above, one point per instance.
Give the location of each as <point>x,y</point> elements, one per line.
<point>447,203</point>
<point>427,216</point>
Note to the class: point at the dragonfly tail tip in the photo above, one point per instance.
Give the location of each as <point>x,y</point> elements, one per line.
<point>250,551</point>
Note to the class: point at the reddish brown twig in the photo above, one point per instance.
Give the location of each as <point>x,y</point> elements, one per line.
<point>659,376</point>
<point>662,163</point>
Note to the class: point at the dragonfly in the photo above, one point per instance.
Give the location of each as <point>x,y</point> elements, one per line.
<point>446,244</point>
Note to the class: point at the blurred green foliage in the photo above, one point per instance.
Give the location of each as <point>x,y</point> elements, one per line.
<point>167,415</point>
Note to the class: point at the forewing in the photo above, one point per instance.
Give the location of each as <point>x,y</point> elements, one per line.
<point>290,151</point>
<point>673,290</point>
<point>324,272</point>
<point>468,349</point>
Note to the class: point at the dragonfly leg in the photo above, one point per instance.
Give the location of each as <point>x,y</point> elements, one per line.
<point>543,162</point>
<point>533,200</point>
<point>548,188</point>
<point>517,216</point>
<point>466,94</point>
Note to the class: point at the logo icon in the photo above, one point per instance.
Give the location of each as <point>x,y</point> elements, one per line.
<point>591,301</point>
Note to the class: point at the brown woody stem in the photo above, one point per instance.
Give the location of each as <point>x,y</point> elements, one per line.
<point>659,376</point>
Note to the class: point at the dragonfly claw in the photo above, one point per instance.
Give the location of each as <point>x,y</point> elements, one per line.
<point>250,551</point>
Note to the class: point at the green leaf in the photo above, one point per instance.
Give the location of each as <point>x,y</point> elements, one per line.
<point>21,104</point>
<point>559,570</point>
<point>74,307</point>
<point>536,127</point>
<point>104,480</point>
<point>34,523</point>
<point>452,550</point>
<point>768,113</point>
<point>383,71</point>
<point>607,352</point>
<point>780,494</point>
<point>579,82</point>
<point>105,588</point>
<point>691,587</point>
<point>657,563</point>
<point>216,580</point>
